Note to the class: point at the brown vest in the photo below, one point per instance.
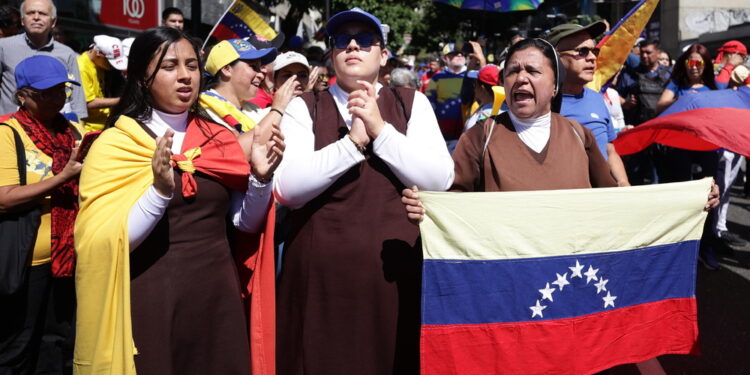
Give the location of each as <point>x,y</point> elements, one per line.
<point>349,288</point>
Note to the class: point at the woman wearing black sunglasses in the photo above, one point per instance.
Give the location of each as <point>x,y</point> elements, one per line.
<point>348,298</point>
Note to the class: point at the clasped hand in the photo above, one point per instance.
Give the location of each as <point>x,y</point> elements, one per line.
<point>366,120</point>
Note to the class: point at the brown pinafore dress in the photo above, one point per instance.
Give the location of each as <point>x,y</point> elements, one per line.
<point>187,311</point>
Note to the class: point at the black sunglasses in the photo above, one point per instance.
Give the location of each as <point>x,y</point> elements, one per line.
<point>364,40</point>
<point>584,51</point>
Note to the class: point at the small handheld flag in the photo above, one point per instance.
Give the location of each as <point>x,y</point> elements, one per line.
<point>240,21</point>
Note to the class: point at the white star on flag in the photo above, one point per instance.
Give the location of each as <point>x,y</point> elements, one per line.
<point>608,300</point>
<point>547,292</point>
<point>591,274</point>
<point>601,285</point>
<point>537,310</point>
<point>562,280</point>
<point>576,270</point>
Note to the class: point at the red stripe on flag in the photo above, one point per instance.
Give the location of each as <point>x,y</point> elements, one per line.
<point>584,344</point>
<point>223,33</point>
<point>699,129</point>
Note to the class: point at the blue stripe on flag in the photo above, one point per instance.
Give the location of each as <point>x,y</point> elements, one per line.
<point>499,291</point>
<point>234,23</point>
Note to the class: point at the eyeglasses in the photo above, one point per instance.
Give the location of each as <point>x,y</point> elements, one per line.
<point>363,40</point>
<point>322,77</point>
<point>583,51</point>
<point>694,64</point>
<point>51,93</point>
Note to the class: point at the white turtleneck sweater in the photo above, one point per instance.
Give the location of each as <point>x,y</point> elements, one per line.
<point>535,132</point>
<point>248,212</point>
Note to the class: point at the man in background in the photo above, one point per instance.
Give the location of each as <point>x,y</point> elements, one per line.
<point>38,17</point>
<point>173,17</point>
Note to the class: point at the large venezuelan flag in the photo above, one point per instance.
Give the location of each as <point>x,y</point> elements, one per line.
<point>559,282</point>
<point>240,21</point>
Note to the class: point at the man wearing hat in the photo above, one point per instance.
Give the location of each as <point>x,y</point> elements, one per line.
<point>577,49</point>
<point>292,64</point>
<point>486,78</point>
<point>237,70</point>
<point>105,54</point>
<point>444,92</point>
<point>349,290</point>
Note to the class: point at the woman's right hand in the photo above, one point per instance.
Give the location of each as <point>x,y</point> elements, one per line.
<point>161,164</point>
<point>413,205</point>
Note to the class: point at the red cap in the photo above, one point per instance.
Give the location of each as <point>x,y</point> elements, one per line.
<point>734,46</point>
<point>490,74</point>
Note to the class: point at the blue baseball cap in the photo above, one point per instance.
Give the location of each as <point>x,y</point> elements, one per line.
<point>354,15</point>
<point>227,51</point>
<point>41,72</point>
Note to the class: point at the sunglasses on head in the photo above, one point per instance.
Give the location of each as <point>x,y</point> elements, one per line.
<point>364,39</point>
<point>583,51</point>
<point>693,64</point>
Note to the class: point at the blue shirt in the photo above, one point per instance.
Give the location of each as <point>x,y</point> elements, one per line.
<point>680,90</point>
<point>589,109</point>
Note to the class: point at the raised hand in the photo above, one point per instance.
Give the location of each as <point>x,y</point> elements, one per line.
<point>284,94</point>
<point>161,165</point>
<point>314,73</point>
<point>267,150</point>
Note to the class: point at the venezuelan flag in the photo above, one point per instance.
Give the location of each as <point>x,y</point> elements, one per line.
<point>240,21</point>
<point>563,282</point>
<point>617,44</point>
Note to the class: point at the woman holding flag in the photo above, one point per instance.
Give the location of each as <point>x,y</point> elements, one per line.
<point>158,291</point>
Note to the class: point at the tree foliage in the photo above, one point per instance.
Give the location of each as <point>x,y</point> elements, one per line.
<point>427,22</point>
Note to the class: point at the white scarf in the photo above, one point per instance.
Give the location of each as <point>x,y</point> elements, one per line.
<point>533,132</point>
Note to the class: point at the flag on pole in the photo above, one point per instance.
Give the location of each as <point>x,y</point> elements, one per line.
<point>564,282</point>
<point>241,21</point>
<point>617,44</point>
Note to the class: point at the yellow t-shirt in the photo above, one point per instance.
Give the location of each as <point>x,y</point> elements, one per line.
<point>38,168</point>
<point>92,81</point>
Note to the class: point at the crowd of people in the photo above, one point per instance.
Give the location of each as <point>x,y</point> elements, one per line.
<point>143,250</point>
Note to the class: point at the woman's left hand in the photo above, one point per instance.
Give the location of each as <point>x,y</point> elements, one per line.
<point>267,150</point>
<point>363,104</point>
<point>713,198</point>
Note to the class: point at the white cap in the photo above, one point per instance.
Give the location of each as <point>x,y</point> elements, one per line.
<point>289,58</point>
<point>112,49</point>
<point>126,43</point>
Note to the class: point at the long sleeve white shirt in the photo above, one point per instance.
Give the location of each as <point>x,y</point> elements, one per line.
<point>418,158</point>
<point>247,212</point>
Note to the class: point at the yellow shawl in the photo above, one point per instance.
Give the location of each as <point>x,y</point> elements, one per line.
<point>116,174</point>
<point>227,111</point>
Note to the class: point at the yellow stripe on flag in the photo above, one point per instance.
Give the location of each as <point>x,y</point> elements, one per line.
<point>531,224</point>
<point>252,19</point>
<point>616,47</point>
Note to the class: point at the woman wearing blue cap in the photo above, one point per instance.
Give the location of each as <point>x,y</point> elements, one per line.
<point>51,185</point>
<point>349,285</point>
